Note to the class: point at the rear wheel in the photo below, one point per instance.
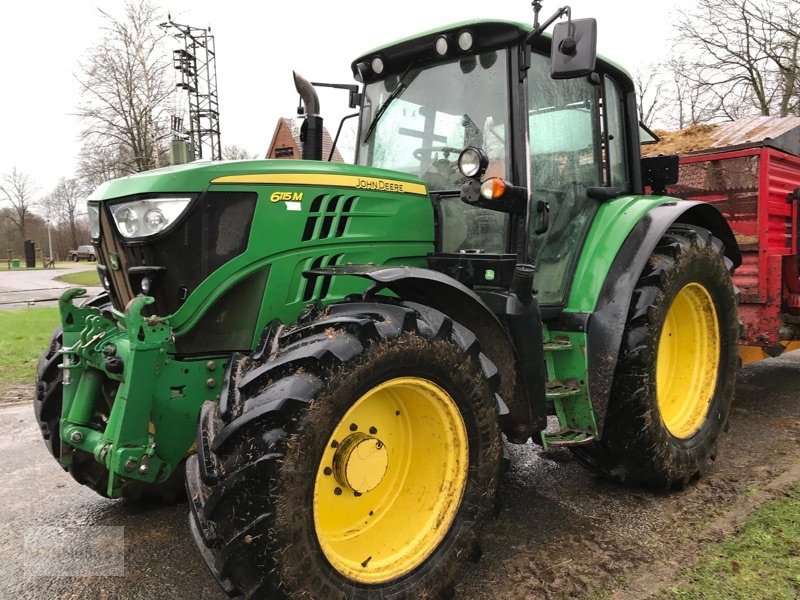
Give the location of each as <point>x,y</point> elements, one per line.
<point>359,459</point>
<point>674,381</point>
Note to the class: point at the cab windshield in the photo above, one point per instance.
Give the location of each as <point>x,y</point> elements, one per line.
<point>433,113</point>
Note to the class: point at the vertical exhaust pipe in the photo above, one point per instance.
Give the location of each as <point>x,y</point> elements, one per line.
<point>311,129</point>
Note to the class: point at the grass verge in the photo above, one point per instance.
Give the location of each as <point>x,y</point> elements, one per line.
<point>26,332</point>
<point>761,561</point>
<point>88,278</point>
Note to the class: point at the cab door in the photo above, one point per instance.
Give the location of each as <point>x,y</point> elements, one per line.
<point>566,159</point>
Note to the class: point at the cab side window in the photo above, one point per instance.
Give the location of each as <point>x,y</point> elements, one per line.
<point>615,120</point>
<point>563,130</point>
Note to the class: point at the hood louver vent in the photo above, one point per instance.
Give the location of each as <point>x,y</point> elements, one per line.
<point>314,290</point>
<point>328,217</point>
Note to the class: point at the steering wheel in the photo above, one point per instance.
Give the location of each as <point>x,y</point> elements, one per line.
<point>418,152</point>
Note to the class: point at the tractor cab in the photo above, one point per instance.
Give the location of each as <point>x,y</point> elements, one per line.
<point>560,139</point>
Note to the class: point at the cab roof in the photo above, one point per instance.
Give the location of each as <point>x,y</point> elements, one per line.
<point>488,34</point>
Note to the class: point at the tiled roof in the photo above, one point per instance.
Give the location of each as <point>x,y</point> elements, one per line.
<point>293,127</point>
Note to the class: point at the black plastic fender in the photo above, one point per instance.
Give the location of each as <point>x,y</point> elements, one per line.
<point>445,294</point>
<point>607,322</point>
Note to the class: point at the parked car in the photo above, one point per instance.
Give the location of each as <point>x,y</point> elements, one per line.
<point>82,253</point>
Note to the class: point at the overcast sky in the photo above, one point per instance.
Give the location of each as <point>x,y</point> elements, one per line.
<point>258,45</point>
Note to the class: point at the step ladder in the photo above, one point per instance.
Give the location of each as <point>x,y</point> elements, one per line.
<point>570,398</point>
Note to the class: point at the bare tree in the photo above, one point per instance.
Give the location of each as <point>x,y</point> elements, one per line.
<point>235,152</point>
<point>98,165</point>
<point>690,103</point>
<point>126,91</point>
<point>649,96</point>
<point>64,206</point>
<point>780,40</point>
<point>18,190</point>
<point>745,55</point>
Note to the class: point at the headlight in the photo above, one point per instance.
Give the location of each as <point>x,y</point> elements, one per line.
<point>472,162</point>
<point>93,212</point>
<point>142,218</point>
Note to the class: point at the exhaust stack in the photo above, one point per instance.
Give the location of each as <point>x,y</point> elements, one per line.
<point>311,129</point>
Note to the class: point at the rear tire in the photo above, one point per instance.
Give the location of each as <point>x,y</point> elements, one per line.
<point>358,459</point>
<point>675,376</point>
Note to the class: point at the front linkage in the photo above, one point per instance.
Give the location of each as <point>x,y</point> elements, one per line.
<point>128,402</point>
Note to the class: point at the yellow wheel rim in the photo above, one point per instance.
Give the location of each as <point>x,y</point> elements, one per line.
<point>688,361</point>
<point>391,479</point>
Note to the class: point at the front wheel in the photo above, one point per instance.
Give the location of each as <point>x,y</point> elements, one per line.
<point>358,460</point>
<point>674,381</point>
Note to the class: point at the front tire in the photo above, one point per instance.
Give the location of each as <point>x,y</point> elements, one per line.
<point>674,381</point>
<point>358,459</point>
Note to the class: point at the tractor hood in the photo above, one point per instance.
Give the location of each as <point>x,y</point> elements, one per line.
<point>198,176</point>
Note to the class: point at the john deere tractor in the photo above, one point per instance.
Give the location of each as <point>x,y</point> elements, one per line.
<point>336,354</point>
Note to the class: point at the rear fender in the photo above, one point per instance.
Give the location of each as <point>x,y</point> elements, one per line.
<point>607,322</point>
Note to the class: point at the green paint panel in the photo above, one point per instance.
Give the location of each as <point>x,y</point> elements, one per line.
<point>613,223</point>
<point>327,227</point>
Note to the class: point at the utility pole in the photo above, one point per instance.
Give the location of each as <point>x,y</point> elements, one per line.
<point>197,75</point>
<point>49,242</point>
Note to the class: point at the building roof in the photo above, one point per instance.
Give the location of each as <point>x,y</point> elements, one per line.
<point>782,133</point>
<point>286,142</point>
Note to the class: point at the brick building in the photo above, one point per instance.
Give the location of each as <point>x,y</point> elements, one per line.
<point>286,142</point>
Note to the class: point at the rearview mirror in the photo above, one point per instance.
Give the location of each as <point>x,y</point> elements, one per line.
<point>574,49</point>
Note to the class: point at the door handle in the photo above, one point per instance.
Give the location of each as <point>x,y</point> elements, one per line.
<point>543,209</point>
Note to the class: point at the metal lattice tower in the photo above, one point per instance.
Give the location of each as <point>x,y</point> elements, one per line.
<point>197,75</point>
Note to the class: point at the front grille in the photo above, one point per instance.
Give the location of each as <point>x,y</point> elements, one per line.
<point>215,229</point>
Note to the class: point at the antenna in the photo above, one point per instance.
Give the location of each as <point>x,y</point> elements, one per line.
<point>537,6</point>
<point>197,75</point>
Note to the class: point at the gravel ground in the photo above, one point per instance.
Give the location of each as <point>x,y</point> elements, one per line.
<point>560,533</point>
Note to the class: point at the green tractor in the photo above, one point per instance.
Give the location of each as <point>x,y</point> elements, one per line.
<point>335,355</point>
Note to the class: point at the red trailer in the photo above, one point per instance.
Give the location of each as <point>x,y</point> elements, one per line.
<point>750,170</point>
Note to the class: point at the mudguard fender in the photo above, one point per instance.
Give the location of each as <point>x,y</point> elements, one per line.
<point>607,322</point>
